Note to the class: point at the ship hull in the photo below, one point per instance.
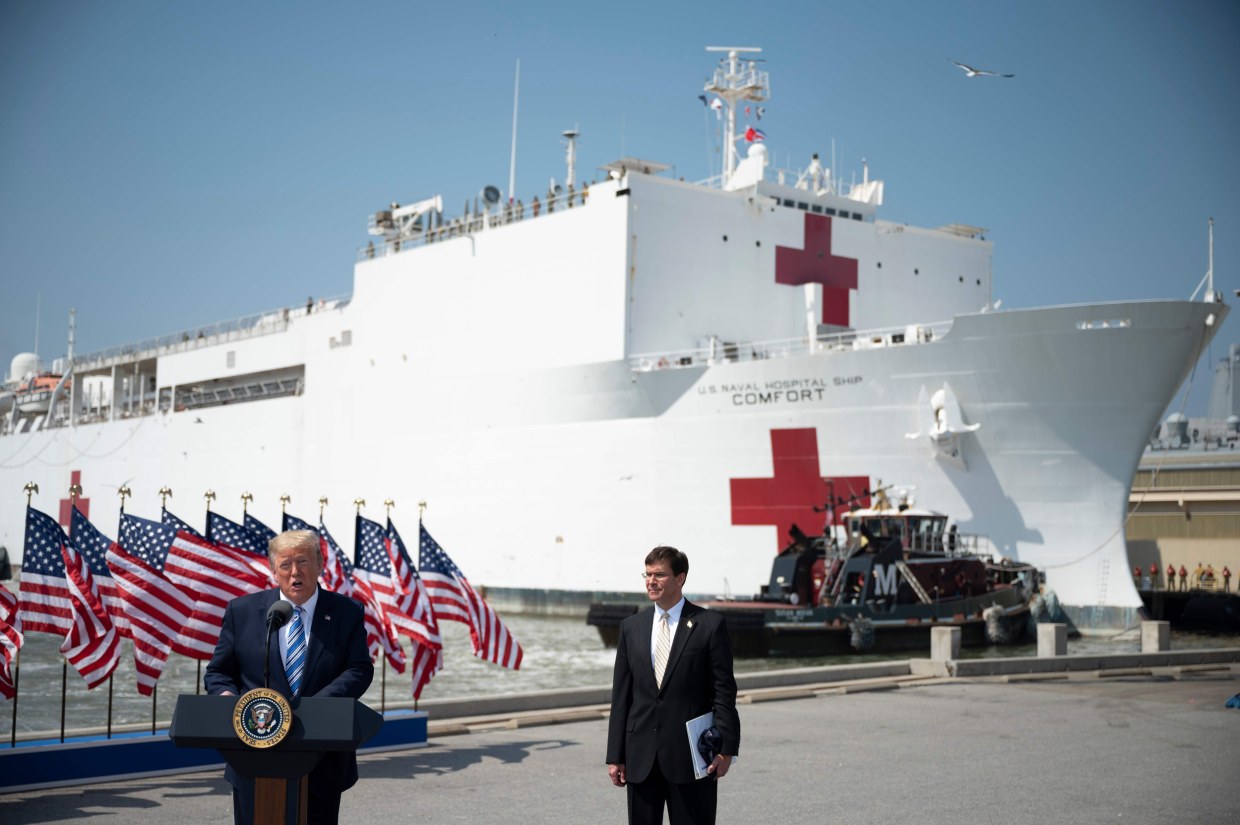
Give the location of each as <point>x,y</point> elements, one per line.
<point>549,485</point>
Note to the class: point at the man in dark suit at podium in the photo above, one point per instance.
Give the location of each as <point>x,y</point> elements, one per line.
<point>673,664</point>
<point>320,651</point>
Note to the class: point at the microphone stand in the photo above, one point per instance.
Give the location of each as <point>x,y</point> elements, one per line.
<point>267,657</point>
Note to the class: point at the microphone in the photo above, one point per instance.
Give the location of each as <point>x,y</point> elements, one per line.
<point>277,616</point>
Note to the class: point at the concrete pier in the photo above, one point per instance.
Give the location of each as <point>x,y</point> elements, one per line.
<point>944,643</point>
<point>1152,744</point>
<point>1155,637</point>
<point>1052,640</point>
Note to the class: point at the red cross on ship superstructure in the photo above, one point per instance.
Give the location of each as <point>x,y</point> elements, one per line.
<point>814,264</point>
<point>796,488</point>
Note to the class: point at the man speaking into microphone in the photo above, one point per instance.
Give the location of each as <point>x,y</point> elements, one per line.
<point>317,648</point>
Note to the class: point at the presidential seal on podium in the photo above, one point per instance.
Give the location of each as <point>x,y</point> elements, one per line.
<point>262,718</point>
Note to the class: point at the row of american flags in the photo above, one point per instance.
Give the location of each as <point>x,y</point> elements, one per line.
<point>164,586</point>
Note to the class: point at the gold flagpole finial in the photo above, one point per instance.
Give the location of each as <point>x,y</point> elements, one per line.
<point>165,493</point>
<point>388,504</point>
<point>75,490</point>
<point>322,506</point>
<point>209,495</point>
<point>285,498</point>
<point>359,503</point>
<point>421,508</point>
<point>124,492</point>
<point>246,498</point>
<point>31,488</point>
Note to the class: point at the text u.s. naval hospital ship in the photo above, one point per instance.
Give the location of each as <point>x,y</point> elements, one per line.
<point>638,361</point>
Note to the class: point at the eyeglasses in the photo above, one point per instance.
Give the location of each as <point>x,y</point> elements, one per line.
<point>656,576</point>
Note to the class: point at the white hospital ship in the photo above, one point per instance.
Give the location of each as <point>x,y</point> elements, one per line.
<point>637,361</point>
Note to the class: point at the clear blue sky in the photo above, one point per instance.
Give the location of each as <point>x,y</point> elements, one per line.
<point>165,165</point>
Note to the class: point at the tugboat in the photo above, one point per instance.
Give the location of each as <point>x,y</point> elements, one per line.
<point>895,573</point>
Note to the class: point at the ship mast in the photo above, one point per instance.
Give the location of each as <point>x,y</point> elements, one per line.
<point>735,80</point>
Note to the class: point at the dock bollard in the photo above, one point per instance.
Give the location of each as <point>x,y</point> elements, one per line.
<point>944,643</point>
<point>1052,640</point>
<point>1155,637</point>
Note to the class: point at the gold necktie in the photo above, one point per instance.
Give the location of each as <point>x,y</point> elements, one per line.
<point>662,647</point>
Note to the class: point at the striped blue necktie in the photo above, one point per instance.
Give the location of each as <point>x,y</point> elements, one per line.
<point>296,659</point>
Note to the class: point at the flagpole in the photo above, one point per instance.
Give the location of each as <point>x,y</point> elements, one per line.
<point>164,494</point>
<point>246,498</point>
<point>124,492</point>
<point>64,677</point>
<point>30,489</point>
<point>110,675</point>
<point>17,657</point>
<point>388,504</point>
<point>421,509</point>
<point>74,489</point>
<point>209,495</point>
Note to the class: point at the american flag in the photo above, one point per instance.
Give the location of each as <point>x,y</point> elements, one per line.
<point>380,637</point>
<point>93,547</point>
<point>427,658</point>
<point>255,526</point>
<point>172,521</point>
<point>58,596</point>
<point>215,575</point>
<point>225,531</point>
<point>371,552</point>
<point>454,598</point>
<point>228,533</point>
<point>158,610</point>
<point>10,641</point>
<point>382,559</point>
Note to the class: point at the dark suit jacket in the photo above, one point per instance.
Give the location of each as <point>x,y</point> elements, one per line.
<point>647,721</point>
<point>337,663</point>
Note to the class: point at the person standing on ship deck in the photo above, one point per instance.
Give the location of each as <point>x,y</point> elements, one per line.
<point>673,664</point>
<point>327,629</point>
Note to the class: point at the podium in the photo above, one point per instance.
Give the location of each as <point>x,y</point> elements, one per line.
<point>319,726</point>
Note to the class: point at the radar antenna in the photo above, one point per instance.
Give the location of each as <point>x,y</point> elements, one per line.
<point>736,79</point>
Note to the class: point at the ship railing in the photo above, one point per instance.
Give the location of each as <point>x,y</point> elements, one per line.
<point>719,351</point>
<point>952,545</point>
<point>812,184</point>
<point>471,223</point>
<point>247,326</point>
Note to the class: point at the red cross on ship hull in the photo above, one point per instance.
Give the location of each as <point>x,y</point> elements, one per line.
<point>796,488</point>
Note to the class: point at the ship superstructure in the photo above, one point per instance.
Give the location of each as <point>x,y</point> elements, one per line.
<point>644,360</point>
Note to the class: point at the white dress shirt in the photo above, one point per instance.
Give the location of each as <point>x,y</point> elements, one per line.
<point>673,619</point>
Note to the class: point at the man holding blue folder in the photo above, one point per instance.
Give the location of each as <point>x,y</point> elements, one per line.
<point>673,664</point>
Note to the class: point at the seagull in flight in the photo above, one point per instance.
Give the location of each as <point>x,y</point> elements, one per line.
<point>969,71</point>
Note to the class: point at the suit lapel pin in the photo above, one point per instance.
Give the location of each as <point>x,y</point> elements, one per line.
<point>690,623</point>
<point>327,618</point>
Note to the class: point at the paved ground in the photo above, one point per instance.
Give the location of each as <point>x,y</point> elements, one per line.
<point>1131,750</point>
